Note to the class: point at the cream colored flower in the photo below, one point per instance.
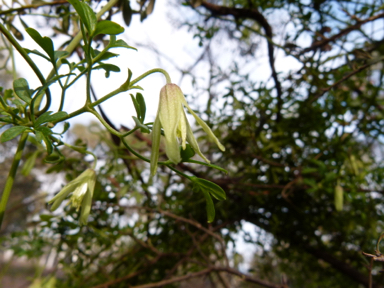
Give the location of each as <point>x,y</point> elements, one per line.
<point>172,118</point>
<point>82,188</point>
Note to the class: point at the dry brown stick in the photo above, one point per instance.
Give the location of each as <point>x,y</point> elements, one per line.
<point>175,279</point>
<point>185,258</point>
<point>223,280</point>
<point>197,246</point>
<point>207,271</point>
<point>129,276</point>
<point>193,223</point>
<point>346,77</point>
<point>248,278</point>
<point>343,32</point>
<point>33,6</point>
<point>199,226</point>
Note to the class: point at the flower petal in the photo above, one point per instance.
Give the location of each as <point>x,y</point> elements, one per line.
<point>182,129</point>
<point>156,133</point>
<point>86,207</point>
<point>192,141</point>
<point>78,195</point>
<point>203,125</point>
<point>60,197</point>
<point>170,112</point>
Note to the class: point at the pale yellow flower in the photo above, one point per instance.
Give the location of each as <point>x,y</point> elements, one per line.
<point>82,188</point>
<point>177,131</point>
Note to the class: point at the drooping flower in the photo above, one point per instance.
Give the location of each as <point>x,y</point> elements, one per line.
<point>172,118</point>
<point>82,188</point>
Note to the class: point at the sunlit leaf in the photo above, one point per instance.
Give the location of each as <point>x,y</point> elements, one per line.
<point>12,133</point>
<point>108,27</point>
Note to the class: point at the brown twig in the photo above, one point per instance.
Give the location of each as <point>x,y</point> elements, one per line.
<point>255,15</point>
<point>33,6</point>
<point>346,77</point>
<point>359,23</point>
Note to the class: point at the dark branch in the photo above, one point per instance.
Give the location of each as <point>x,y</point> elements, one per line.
<point>359,23</point>
<point>255,15</point>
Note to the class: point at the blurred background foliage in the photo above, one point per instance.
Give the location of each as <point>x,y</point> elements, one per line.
<point>304,153</point>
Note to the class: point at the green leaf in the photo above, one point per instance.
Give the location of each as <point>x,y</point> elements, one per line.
<point>86,14</point>
<point>127,12</point>
<point>209,207</point>
<point>105,56</point>
<point>39,136</point>
<point>44,42</point>
<point>42,118</point>
<point>214,189</point>
<point>108,27</point>
<point>108,68</point>
<point>21,88</point>
<point>187,153</point>
<point>48,144</point>
<point>29,163</point>
<point>66,127</point>
<point>8,94</point>
<point>126,85</point>
<point>45,130</point>
<point>47,117</point>
<point>57,116</point>
<point>37,53</point>
<point>25,25</point>
<point>309,170</point>
<point>12,133</point>
<point>45,217</point>
<point>122,44</point>
<point>60,54</point>
<point>143,109</point>
<point>137,106</point>
<point>143,128</point>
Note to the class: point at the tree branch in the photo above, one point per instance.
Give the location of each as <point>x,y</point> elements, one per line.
<point>359,23</point>
<point>255,15</point>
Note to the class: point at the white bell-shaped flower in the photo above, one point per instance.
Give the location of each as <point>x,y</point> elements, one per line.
<point>172,118</point>
<point>82,188</point>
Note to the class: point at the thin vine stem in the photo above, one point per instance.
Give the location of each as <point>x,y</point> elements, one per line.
<point>11,175</point>
<point>127,86</point>
<point>155,70</point>
<point>178,172</point>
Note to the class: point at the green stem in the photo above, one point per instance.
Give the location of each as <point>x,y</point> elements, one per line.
<point>106,97</point>
<point>179,172</point>
<point>11,176</point>
<point>14,73</point>
<point>134,152</point>
<point>127,86</point>
<point>156,70</point>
